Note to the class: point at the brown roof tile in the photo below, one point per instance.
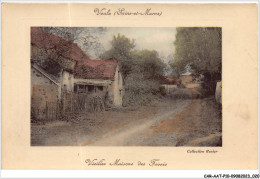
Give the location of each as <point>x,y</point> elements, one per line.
<point>62,47</point>
<point>96,69</point>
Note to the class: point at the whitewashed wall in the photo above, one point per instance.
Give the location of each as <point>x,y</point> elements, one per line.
<point>170,88</point>
<point>68,80</point>
<point>117,86</point>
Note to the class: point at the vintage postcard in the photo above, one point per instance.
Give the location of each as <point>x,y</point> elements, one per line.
<point>129,86</point>
<point>94,86</point>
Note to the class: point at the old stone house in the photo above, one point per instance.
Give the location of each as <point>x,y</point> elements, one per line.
<point>59,67</point>
<point>56,56</point>
<point>53,60</point>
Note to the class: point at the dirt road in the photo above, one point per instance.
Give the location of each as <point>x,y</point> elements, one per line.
<point>132,134</point>
<point>167,122</point>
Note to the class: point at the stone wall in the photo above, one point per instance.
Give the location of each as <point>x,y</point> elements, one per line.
<point>40,96</point>
<point>43,90</point>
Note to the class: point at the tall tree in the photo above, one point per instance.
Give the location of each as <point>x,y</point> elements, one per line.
<point>149,63</point>
<point>202,49</point>
<point>139,69</point>
<point>121,50</point>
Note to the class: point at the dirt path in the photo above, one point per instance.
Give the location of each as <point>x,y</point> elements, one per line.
<point>166,122</point>
<point>199,124</point>
<point>131,134</point>
<point>190,122</point>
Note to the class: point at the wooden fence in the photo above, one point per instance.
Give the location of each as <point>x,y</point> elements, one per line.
<point>52,110</point>
<point>72,103</point>
<point>83,102</point>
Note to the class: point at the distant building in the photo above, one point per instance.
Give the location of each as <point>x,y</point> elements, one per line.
<point>186,78</point>
<point>167,83</point>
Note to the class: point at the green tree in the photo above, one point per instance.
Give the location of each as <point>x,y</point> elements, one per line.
<point>149,63</point>
<point>141,85</point>
<point>145,62</point>
<point>139,90</point>
<point>121,50</point>
<point>202,49</point>
<point>139,69</point>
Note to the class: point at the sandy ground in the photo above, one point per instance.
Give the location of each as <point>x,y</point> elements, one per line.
<point>168,122</point>
<point>198,125</point>
<point>132,134</point>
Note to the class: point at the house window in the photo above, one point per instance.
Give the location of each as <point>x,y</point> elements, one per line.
<point>81,89</point>
<point>87,88</point>
<point>100,88</point>
<point>90,88</point>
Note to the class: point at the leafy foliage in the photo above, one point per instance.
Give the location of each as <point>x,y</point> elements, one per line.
<point>139,69</point>
<point>202,49</point>
<point>138,90</point>
<point>149,64</point>
<point>121,50</point>
<point>85,37</point>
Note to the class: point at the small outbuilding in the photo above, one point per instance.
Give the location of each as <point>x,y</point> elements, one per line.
<point>101,77</point>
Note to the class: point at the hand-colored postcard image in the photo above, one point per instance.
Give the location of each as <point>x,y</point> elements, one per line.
<point>126,86</point>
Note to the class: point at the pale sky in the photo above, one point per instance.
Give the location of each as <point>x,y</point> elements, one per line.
<point>160,39</point>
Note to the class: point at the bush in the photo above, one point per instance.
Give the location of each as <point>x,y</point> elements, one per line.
<point>181,93</point>
<point>139,91</point>
<point>162,90</point>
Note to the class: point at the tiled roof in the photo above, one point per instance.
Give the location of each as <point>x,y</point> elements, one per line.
<point>96,69</point>
<point>62,47</point>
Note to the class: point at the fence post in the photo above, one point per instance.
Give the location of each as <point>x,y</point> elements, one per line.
<point>52,110</point>
<point>57,110</point>
<point>85,102</point>
<point>71,100</point>
<point>46,110</point>
<point>64,103</point>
